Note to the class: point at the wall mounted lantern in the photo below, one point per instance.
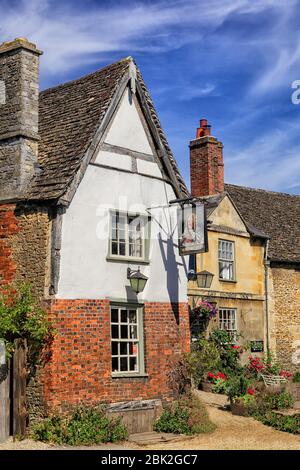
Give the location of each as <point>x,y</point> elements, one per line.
<point>204,279</point>
<point>137,280</point>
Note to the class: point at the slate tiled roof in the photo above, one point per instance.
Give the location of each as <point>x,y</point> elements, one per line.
<point>276,214</point>
<point>69,116</point>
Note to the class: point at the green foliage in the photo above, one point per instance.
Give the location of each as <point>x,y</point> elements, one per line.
<point>296,377</point>
<point>85,426</point>
<point>187,415</point>
<point>22,318</point>
<point>219,386</point>
<point>281,423</point>
<point>203,359</point>
<point>229,356</point>
<point>271,366</point>
<point>174,420</point>
<point>237,386</point>
<point>248,400</point>
<point>278,401</point>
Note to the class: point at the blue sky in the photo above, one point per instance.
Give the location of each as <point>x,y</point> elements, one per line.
<point>232,62</point>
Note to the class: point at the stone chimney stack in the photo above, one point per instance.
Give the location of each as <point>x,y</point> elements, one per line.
<point>206,163</point>
<point>19,107</point>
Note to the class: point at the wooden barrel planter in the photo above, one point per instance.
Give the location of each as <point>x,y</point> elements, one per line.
<point>238,409</point>
<point>206,386</point>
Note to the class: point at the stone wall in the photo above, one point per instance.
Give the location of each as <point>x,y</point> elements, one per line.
<point>80,365</point>
<point>285,316</point>
<point>31,247</point>
<point>25,257</point>
<point>25,246</point>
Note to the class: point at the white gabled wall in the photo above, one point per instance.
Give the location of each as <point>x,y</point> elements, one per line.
<point>84,270</point>
<point>127,129</point>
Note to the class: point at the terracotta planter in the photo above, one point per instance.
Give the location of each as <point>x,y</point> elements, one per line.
<point>238,409</point>
<point>206,386</point>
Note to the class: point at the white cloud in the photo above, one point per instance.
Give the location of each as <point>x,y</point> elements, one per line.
<point>71,36</point>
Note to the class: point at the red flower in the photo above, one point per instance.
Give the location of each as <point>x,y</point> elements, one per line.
<point>251,391</point>
<point>286,374</point>
<point>235,346</point>
<point>210,375</point>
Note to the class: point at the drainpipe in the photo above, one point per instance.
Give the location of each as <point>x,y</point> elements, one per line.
<point>266,266</point>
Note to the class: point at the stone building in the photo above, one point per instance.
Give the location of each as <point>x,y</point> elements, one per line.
<point>86,176</point>
<point>236,250</point>
<point>261,232</point>
<point>278,215</point>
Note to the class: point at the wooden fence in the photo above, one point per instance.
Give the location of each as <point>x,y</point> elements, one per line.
<point>13,411</point>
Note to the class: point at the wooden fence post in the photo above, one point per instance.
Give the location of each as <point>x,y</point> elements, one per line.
<point>4,395</point>
<point>19,371</point>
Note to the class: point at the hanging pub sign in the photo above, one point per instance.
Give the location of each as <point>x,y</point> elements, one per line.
<point>192,229</point>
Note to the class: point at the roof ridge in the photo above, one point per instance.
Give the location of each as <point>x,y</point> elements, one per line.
<point>83,77</point>
<point>262,190</point>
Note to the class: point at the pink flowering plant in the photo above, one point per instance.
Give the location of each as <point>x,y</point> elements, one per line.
<point>204,310</point>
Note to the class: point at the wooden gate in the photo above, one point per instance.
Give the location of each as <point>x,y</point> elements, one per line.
<point>13,411</point>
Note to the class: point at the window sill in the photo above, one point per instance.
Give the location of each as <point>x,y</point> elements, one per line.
<point>127,260</point>
<point>129,376</point>
<point>232,281</point>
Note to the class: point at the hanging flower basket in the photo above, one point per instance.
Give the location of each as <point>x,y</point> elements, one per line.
<point>200,317</point>
<point>204,311</point>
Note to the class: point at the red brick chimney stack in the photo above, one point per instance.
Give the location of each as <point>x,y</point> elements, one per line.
<point>206,163</point>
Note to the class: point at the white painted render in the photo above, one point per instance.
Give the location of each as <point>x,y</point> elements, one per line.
<point>85,272</point>
<point>127,129</point>
<point>115,160</point>
<point>148,168</point>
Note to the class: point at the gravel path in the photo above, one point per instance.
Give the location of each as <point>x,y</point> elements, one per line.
<point>232,433</point>
<point>28,444</point>
<point>235,433</point>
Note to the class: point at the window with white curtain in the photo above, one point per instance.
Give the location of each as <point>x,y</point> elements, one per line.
<point>226,260</point>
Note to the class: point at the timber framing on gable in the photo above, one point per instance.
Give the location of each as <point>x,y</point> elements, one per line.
<point>98,139</point>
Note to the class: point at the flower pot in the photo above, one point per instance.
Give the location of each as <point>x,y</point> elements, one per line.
<point>206,386</point>
<point>238,409</point>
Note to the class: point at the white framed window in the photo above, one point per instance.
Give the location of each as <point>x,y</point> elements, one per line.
<point>127,350</point>
<point>128,236</point>
<point>226,260</point>
<point>228,321</point>
<point>2,92</point>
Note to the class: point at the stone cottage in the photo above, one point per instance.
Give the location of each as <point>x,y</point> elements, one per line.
<point>86,176</point>
<point>254,254</point>
<point>278,215</point>
<point>237,250</point>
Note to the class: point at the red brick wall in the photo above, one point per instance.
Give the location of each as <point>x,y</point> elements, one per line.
<point>206,166</point>
<point>80,367</point>
<point>8,227</point>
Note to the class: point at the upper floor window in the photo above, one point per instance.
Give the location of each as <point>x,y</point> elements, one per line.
<point>226,260</point>
<point>129,236</point>
<point>2,92</point>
